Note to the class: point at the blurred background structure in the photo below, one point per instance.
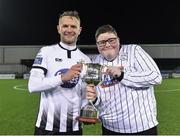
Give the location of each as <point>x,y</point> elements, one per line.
<point>27,25</point>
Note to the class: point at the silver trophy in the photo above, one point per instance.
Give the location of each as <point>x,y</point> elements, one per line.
<point>93,75</point>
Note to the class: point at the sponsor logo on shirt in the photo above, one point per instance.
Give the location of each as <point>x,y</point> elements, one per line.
<point>70,83</point>
<point>38,60</point>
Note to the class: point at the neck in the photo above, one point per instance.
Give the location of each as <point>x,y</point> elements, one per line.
<point>68,46</point>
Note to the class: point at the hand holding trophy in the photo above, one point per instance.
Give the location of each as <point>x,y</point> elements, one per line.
<point>93,74</point>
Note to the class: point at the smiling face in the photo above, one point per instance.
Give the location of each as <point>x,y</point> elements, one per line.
<point>69,29</point>
<point>108,45</point>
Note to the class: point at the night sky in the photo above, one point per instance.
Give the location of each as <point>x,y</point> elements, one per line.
<point>33,22</point>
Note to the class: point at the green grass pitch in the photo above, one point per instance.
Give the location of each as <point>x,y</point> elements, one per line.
<point>18,108</point>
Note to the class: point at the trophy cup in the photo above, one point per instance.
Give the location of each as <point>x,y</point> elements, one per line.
<point>93,74</point>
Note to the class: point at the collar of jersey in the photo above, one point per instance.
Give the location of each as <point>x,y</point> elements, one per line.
<point>67,47</point>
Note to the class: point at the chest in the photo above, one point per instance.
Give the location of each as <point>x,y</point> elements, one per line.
<point>60,61</point>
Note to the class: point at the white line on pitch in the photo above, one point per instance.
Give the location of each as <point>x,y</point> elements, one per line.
<point>163,91</point>
<point>19,87</point>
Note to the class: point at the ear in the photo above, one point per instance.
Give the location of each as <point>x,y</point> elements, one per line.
<point>58,29</point>
<point>80,29</point>
<point>119,39</point>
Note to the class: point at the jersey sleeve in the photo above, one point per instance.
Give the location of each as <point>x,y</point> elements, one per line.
<point>41,60</point>
<point>38,81</point>
<point>143,71</point>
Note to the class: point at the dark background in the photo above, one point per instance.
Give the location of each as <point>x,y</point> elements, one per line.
<point>33,22</point>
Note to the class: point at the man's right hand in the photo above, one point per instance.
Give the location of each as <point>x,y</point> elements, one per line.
<point>74,71</point>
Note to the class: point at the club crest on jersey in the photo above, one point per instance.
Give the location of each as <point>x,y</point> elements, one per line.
<point>124,57</point>
<point>38,60</point>
<point>70,83</point>
<point>108,81</point>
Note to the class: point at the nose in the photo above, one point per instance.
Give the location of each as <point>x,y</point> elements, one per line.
<point>69,28</point>
<point>107,44</point>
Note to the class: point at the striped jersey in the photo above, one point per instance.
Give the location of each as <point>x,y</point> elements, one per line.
<point>129,106</point>
<point>60,102</point>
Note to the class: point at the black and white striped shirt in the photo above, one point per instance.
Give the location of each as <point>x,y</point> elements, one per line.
<point>60,102</point>
<point>129,106</point>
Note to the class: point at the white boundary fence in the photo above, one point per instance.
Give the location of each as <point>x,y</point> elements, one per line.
<point>11,56</point>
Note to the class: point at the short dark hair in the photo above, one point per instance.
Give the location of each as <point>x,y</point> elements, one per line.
<point>104,29</point>
<point>72,13</point>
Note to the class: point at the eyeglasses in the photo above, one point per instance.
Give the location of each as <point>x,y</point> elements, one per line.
<point>111,41</point>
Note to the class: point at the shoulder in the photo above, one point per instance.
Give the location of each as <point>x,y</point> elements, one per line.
<point>84,56</point>
<point>48,48</point>
<point>130,47</point>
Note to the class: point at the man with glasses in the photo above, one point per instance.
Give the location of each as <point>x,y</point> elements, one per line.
<point>125,98</point>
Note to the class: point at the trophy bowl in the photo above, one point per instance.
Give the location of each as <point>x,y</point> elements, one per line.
<point>93,73</point>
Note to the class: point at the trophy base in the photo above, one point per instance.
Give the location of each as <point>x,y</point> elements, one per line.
<point>87,120</point>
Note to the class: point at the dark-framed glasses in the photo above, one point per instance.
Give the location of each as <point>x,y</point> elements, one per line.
<point>111,41</point>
